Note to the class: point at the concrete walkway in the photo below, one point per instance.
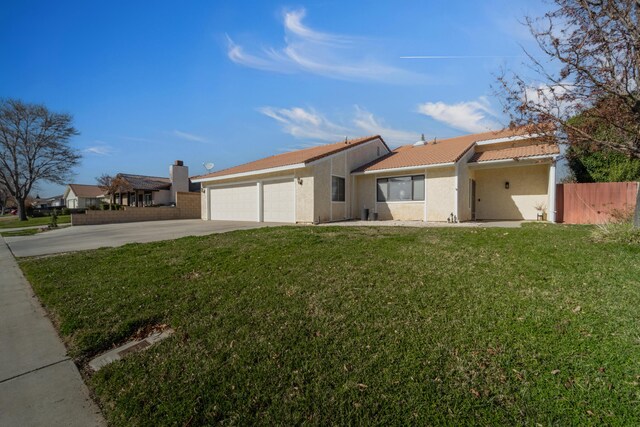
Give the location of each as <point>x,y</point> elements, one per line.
<point>39,384</point>
<point>421,224</point>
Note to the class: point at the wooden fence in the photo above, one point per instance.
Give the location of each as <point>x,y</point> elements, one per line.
<point>595,203</point>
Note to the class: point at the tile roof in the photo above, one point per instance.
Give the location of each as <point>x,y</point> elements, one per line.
<point>142,182</point>
<point>443,151</point>
<point>306,155</point>
<point>516,152</point>
<point>83,190</point>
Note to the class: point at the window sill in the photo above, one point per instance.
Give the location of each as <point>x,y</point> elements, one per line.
<point>400,201</point>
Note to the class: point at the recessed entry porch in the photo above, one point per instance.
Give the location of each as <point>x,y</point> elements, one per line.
<point>515,190</point>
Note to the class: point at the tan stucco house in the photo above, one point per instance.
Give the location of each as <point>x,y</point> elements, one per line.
<point>501,175</point>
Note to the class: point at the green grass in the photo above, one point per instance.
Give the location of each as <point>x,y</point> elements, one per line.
<point>45,220</point>
<point>25,232</point>
<point>315,325</point>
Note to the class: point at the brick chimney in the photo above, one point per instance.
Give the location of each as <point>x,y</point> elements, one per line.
<point>179,176</point>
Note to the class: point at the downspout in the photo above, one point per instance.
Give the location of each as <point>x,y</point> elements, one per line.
<point>457,201</point>
<point>551,216</point>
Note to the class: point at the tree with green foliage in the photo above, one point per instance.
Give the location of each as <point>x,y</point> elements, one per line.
<point>590,67</point>
<point>592,164</point>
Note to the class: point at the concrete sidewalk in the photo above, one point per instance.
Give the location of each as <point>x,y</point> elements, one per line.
<point>39,384</point>
<point>2,230</point>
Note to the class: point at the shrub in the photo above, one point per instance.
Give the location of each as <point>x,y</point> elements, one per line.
<point>617,232</point>
<point>65,211</point>
<point>53,222</point>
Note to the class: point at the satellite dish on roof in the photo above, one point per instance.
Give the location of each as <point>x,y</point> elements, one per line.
<point>208,166</point>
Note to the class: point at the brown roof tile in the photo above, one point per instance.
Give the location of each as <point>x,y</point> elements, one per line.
<point>516,152</point>
<point>443,151</point>
<point>144,182</point>
<point>306,155</point>
<point>83,190</point>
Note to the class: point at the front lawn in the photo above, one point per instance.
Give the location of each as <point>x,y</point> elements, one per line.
<point>43,220</point>
<point>330,325</point>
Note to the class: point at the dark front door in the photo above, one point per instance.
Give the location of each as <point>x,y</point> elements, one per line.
<point>473,199</point>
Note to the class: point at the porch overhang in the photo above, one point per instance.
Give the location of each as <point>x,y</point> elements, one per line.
<point>516,161</point>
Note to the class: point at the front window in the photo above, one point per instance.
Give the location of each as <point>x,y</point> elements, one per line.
<point>337,189</point>
<point>147,199</point>
<point>401,189</point>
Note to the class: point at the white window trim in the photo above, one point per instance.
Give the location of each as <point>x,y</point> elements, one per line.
<point>375,183</point>
<point>345,188</point>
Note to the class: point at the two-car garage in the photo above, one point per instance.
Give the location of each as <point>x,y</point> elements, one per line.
<point>268,201</point>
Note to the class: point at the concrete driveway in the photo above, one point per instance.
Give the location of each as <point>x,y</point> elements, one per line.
<point>85,237</point>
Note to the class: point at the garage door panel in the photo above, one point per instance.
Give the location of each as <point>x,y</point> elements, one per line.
<point>278,201</point>
<point>234,203</point>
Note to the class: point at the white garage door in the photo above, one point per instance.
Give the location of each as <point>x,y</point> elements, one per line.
<point>278,201</point>
<point>234,203</point>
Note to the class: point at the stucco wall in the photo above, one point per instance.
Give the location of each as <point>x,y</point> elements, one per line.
<point>528,185</point>
<point>405,211</point>
<point>322,191</point>
<point>204,199</point>
<point>441,194</point>
<point>356,158</point>
<point>464,188</point>
<point>304,195</point>
<point>365,197</point>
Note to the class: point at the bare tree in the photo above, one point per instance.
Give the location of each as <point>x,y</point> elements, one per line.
<point>4,198</point>
<point>590,68</point>
<point>34,147</point>
<point>112,185</point>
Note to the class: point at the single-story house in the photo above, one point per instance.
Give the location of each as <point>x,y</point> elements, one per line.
<point>49,202</point>
<point>502,175</point>
<point>82,196</point>
<point>143,190</point>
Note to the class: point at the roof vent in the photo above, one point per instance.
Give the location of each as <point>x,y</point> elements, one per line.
<point>421,142</point>
<point>435,140</point>
<point>346,140</point>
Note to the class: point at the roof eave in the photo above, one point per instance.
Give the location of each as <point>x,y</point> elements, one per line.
<point>404,168</point>
<point>251,173</point>
<point>513,160</point>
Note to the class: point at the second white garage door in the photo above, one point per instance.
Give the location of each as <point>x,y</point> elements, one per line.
<point>278,201</point>
<point>235,203</point>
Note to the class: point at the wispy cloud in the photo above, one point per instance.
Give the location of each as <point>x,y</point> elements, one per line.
<point>470,116</point>
<point>189,136</point>
<point>309,124</point>
<point>329,55</point>
<point>556,98</point>
<point>461,56</point>
<point>99,150</point>
<point>136,139</point>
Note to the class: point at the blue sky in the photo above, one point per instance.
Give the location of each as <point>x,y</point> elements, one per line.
<point>229,82</point>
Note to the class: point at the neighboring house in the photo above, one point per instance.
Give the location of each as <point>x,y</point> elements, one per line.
<point>490,176</point>
<point>82,196</point>
<point>50,202</point>
<point>153,190</point>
